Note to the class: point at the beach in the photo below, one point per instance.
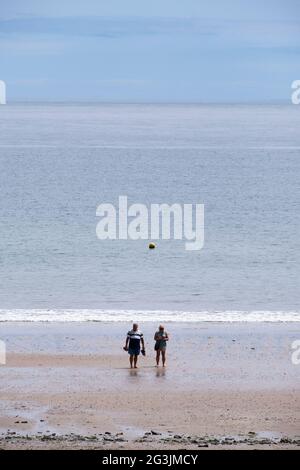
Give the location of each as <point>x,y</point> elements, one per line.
<point>149,174</point>
<point>226,385</point>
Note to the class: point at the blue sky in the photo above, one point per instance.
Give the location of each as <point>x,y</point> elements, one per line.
<point>142,51</point>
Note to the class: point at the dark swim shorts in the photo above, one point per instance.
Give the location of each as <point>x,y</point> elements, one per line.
<point>134,351</point>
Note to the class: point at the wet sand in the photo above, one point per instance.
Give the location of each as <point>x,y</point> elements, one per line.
<point>225,386</point>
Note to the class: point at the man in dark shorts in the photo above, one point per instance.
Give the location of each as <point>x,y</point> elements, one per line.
<point>133,344</point>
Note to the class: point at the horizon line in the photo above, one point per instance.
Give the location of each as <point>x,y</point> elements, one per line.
<point>132,102</point>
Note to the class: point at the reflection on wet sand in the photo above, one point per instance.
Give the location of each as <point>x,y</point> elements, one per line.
<point>160,372</point>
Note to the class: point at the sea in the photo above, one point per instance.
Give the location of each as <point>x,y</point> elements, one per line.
<point>59,161</point>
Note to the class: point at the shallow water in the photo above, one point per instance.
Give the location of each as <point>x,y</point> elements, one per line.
<point>59,162</point>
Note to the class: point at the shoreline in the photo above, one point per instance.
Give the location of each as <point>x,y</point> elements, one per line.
<point>225,386</point>
<point>104,315</point>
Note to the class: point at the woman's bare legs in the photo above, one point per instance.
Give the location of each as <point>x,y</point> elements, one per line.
<point>163,353</point>
<point>157,357</point>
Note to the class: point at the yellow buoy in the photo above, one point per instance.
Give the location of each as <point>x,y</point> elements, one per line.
<point>151,246</point>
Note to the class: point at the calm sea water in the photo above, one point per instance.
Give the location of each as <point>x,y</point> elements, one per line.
<point>59,162</point>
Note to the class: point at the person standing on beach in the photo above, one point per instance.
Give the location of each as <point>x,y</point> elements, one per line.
<point>161,337</point>
<point>133,345</point>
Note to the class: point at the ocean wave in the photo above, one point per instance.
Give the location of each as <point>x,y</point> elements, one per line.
<point>103,315</point>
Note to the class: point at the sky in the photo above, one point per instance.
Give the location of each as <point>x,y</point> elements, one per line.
<point>149,51</point>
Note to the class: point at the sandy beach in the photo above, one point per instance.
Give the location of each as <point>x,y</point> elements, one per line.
<point>226,385</point>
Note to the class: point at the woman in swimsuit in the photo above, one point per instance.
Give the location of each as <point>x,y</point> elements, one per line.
<point>161,337</point>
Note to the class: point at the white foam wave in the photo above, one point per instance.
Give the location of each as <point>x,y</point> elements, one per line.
<point>102,315</point>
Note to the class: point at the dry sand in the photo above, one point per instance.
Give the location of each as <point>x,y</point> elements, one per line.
<point>69,386</point>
